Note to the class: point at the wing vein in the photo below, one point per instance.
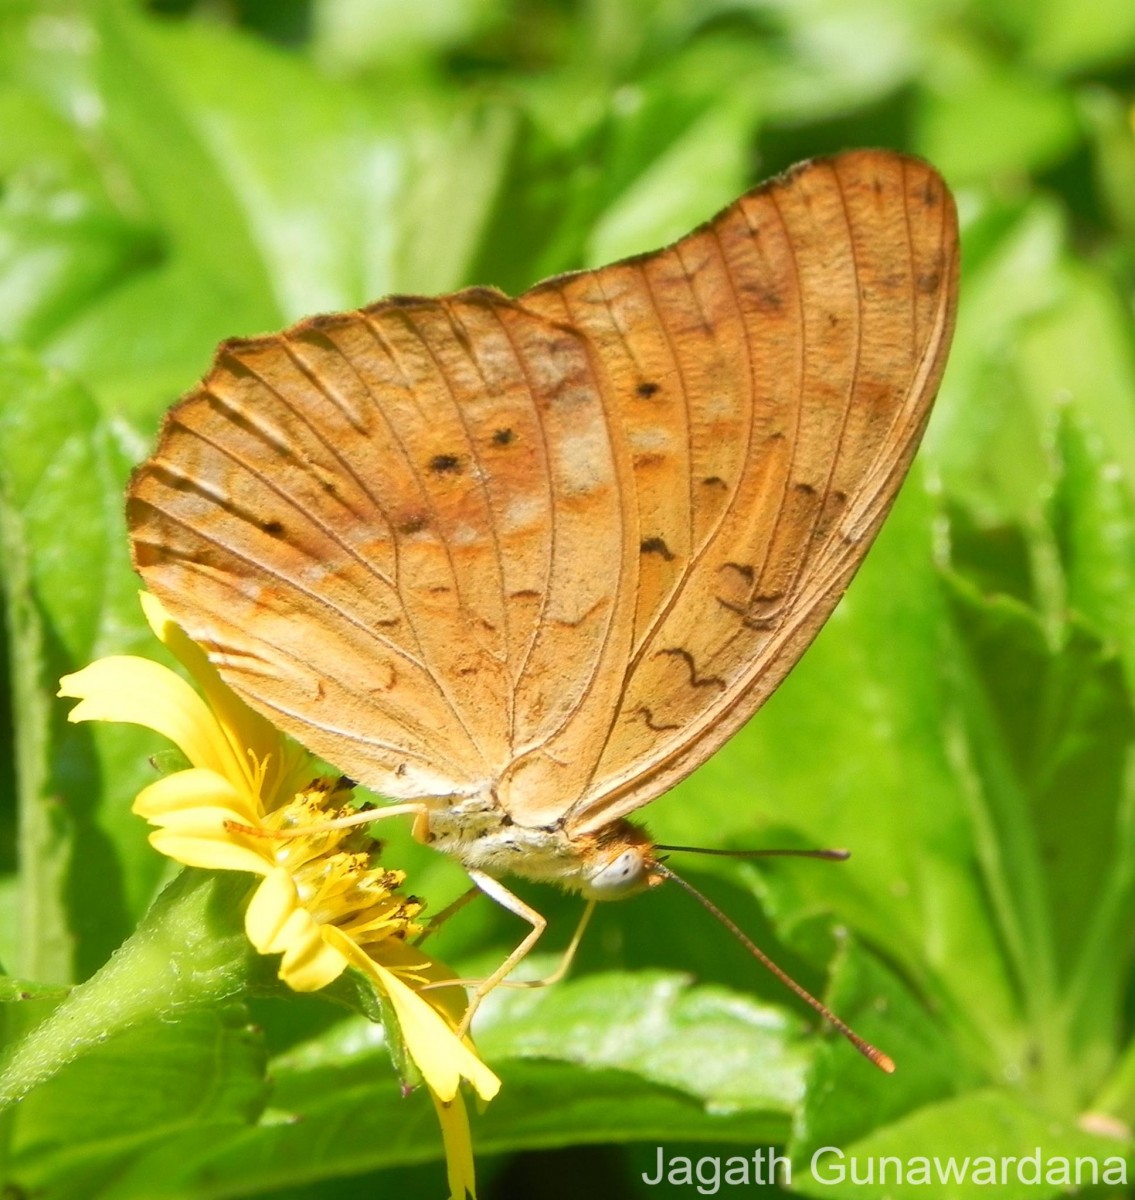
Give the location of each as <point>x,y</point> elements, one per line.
<point>621,466</point>
<point>584,802</point>
<point>550,541</point>
<point>494,530</point>
<point>684,574</point>
<point>318,383</point>
<point>319,600</point>
<point>256,563</point>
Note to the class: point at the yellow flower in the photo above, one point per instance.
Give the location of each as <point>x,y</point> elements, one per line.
<point>248,802</point>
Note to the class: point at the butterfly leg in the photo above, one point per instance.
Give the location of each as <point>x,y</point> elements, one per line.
<point>436,922</point>
<point>562,968</point>
<point>497,979</point>
<point>566,959</point>
<point>496,890</point>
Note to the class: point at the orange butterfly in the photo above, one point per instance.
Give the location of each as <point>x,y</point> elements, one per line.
<point>525,563</point>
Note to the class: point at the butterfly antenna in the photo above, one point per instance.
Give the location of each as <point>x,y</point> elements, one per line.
<point>828,855</point>
<point>883,1061</point>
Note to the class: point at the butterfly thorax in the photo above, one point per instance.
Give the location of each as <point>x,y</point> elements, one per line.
<point>482,836</point>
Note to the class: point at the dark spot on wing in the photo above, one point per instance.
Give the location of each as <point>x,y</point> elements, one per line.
<point>566,624</point>
<point>647,389</point>
<point>764,298</point>
<point>696,680</point>
<point>651,724</point>
<point>414,524</point>
<point>656,545</point>
<point>503,437</point>
<point>275,528</point>
<point>764,608</point>
<point>445,464</point>
<point>742,569</point>
<point>761,612</point>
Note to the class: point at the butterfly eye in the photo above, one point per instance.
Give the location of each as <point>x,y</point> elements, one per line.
<point>619,877</point>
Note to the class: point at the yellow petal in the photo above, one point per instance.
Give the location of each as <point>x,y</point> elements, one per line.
<point>454,1122</point>
<point>409,963</point>
<point>441,1056</point>
<point>276,922</point>
<point>310,963</point>
<point>136,690</point>
<point>203,846</point>
<point>191,808</point>
<point>242,728</point>
<point>197,787</point>
<point>271,908</point>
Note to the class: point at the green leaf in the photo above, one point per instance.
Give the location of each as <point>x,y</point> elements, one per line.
<point>845,1100</point>
<point>354,34</point>
<point>1097,33</point>
<point>84,867</point>
<point>172,153</point>
<point>202,1072</point>
<point>1026,123</point>
<point>1044,726</point>
<point>1093,516</point>
<point>658,1028</point>
<point>63,243</point>
<point>1083,348</point>
<point>971,1134</point>
<point>698,174</point>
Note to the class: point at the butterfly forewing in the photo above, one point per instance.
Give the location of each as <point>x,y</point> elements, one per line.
<point>400,533</point>
<point>560,547</point>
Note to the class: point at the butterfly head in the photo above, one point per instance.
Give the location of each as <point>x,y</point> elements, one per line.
<point>619,864</point>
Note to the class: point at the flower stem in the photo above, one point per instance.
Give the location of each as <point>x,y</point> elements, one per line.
<point>188,950</point>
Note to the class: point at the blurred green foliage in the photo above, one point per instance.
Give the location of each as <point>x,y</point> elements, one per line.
<point>178,172</point>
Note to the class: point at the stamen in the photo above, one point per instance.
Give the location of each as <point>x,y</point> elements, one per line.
<point>259,771</point>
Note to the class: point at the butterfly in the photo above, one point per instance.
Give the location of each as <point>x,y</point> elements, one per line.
<point>526,563</point>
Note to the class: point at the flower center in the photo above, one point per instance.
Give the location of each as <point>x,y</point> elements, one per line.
<point>333,867</point>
